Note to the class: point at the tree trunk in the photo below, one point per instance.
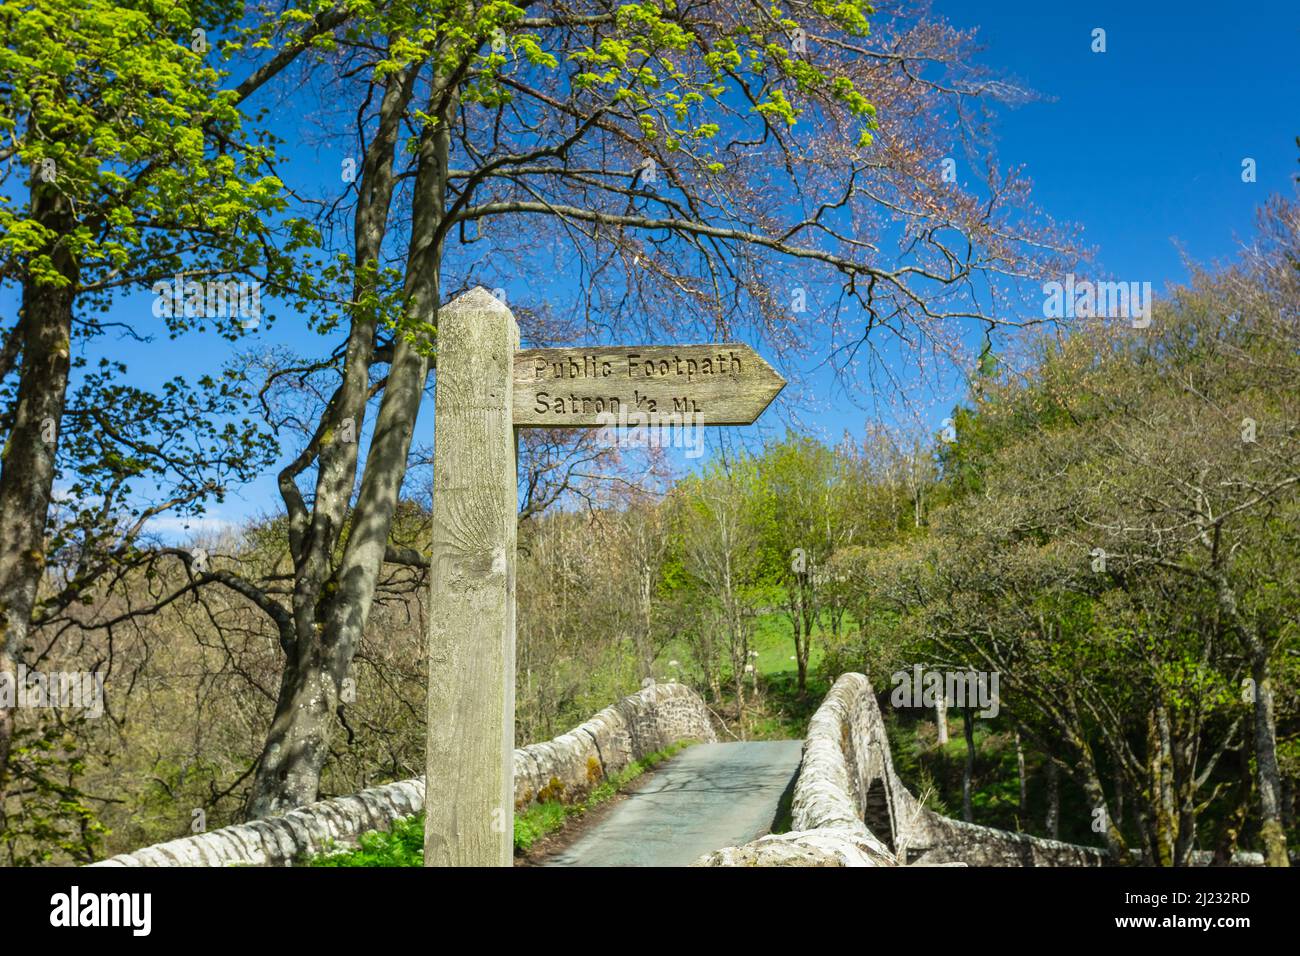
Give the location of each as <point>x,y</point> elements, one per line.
<point>800,658</point>
<point>288,770</point>
<point>1053,822</point>
<point>1265,737</point>
<point>1270,778</point>
<point>941,718</point>
<point>739,683</point>
<point>1230,830</point>
<point>1090,780</point>
<point>1023,806</point>
<point>645,637</point>
<point>968,771</point>
<point>1162,784</point>
<point>28,461</point>
<point>809,608</point>
<point>1119,797</point>
<point>331,610</point>
<point>1185,753</point>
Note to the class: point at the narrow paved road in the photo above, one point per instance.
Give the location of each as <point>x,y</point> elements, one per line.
<point>707,797</point>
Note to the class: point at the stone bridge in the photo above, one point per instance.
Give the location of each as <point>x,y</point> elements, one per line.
<point>628,730</point>
<point>848,806</point>
<point>851,809</point>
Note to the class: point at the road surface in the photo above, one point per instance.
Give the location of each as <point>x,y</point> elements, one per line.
<point>707,797</point>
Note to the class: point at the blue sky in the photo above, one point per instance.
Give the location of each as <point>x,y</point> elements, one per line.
<point>1142,145</point>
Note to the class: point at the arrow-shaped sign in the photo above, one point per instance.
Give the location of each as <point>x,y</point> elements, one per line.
<point>723,384</point>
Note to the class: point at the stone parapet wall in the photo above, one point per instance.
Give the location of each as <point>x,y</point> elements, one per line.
<point>851,809</point>
<point>832,846</point>
<point>628,730</point>
<point>957,841</point>
<point>280,841</point>
<point>918,834</point>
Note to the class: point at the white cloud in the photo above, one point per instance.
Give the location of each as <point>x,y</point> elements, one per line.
<point>177,528</point>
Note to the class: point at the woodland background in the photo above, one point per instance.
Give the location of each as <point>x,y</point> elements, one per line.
<point>1109,522</point>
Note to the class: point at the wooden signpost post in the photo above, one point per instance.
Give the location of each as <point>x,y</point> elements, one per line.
<point>487,387</point>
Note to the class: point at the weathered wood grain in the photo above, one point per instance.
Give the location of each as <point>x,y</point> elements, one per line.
<point>469,797</point>
<point>723,384</point>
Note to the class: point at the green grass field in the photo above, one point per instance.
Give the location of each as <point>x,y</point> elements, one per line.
<point>778,713</point>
